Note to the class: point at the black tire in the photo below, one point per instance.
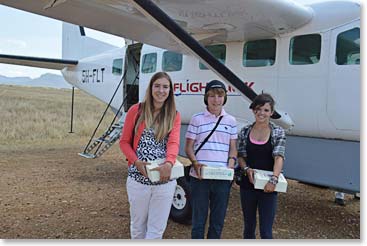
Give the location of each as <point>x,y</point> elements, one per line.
<point>181,205</point>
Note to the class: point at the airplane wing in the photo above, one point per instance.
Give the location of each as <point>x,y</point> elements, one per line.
<point>210,21</point>
<point>179,24</point>
<point>37,62</point>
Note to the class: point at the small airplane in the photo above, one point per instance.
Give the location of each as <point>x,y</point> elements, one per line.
<point>306,55</point>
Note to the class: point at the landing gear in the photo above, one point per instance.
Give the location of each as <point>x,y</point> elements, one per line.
<point>181,207</point>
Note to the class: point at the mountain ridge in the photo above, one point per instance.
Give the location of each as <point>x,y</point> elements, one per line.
<point>45,80</point>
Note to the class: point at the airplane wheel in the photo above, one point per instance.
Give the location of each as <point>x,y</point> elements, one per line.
<point>181,206</point>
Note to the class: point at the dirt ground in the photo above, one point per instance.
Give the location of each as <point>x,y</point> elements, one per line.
<point>50,193</point>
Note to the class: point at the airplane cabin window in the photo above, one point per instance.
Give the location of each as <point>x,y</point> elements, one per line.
<point>348,47</point>
<point>218,51</point>
<point>305,49</point>
<point>172,61</point>
<point>117,66</point>
<point>259,53</point>
<point>149,63</point>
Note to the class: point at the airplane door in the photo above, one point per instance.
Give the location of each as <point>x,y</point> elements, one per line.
<point>343,102</point>
<point>131,83</point>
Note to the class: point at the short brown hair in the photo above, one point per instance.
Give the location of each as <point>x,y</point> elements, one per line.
<point>216,91</point>
<point>260,101</point>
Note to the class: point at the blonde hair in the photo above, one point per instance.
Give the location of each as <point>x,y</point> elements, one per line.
<point>163,122</point>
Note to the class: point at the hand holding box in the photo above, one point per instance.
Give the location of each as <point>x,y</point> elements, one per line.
<point>261,178</point>
<point>176,171</point>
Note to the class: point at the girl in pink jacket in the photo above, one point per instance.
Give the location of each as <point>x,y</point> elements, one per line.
<point>151,131</point>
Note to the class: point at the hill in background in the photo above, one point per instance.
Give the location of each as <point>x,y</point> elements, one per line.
<point>45,80</point>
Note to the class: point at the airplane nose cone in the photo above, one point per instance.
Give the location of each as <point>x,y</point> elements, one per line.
<point>284,121</point>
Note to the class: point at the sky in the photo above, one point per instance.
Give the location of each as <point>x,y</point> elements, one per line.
<point>29,34</point>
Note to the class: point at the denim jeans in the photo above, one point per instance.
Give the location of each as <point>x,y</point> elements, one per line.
<point>251,200</point>
<point>205,194</point>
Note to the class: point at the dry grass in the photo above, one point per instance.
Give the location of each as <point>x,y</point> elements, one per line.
<point>34,116</point>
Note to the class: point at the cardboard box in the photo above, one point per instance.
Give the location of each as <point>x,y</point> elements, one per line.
<point>221,173</point>
<point>176,171</point>
<point>261,178</point>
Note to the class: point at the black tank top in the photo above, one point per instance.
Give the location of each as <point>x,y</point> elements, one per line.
<point>259,156</point>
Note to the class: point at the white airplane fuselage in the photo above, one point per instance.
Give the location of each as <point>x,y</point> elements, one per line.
<point>322,99</point>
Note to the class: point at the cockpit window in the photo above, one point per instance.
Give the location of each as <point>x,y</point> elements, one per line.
<point>171,61</point>
<point>149,63</point>
<point>218,51</point>
<point>259,53</point>
<point>117,66</point>
<point>348,47</point>
<point>305,49</point>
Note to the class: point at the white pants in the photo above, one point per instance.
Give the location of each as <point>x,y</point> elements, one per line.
<point>150,206</point>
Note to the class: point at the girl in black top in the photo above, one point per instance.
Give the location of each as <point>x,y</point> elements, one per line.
<point>261,146</point>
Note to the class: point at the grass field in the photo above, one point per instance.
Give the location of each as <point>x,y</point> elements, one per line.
<point>35,116</point>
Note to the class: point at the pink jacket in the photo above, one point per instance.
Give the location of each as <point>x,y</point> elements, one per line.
<point>127,134</point>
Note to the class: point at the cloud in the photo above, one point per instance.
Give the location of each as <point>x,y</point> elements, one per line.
<point>11,71</point>
<point>12,45</point>
<point>22,71</point>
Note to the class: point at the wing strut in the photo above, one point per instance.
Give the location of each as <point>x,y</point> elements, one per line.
<point>158,16</point>
<point>72,110</point>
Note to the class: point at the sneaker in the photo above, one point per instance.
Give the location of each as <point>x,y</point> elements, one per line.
<point>339,201</point>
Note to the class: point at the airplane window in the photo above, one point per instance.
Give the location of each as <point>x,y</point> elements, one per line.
<point>117,66</point>
<point>218,51</point>
<point>259,53</point>
<point>348,47</point>
<point>305,49</point>
<point>172,61</point>
<point>149,63</point>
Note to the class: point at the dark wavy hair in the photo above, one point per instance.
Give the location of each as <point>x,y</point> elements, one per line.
<point>260,101</point>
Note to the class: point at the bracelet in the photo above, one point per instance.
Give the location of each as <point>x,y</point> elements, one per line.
<point>273,180</point>
<point>246,168</point>
<point>233,158</point>
<point>194,161</point>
